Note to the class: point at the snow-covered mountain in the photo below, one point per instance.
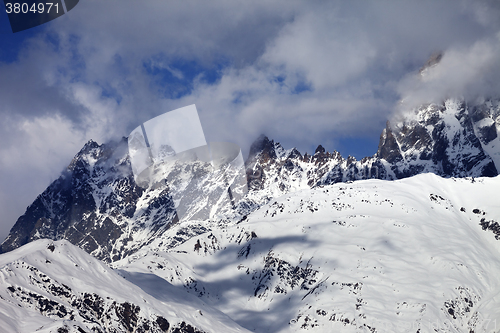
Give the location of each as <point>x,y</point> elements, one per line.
<point>307,248</point>
<point>97,206</point>
<point>57,287</point>
<point>452,139</point>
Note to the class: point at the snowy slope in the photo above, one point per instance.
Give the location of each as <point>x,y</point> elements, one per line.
<point>415,255</point>
<point>56,287</point>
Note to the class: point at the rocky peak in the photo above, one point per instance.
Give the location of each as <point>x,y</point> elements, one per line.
<point>90,150</point>
<point>294,154</point>
<point>87,205</point>
<point>433,60</point>
<point>263,148</point>
<point>320,150</point>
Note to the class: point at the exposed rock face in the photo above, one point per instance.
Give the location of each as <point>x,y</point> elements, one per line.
<point>434,59</point>
<point>443,139</point>
<point>388,148</point>
<point>96,204</point>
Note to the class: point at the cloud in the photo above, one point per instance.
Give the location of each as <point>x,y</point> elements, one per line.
<point>34,151</point>
<point>339,71</point>
<point>322,48</point>
<point>303,72</point>
<point>467,72</point>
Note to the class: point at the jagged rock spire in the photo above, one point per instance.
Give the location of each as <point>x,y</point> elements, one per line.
<point>262,146</point>
<point>319,150</point>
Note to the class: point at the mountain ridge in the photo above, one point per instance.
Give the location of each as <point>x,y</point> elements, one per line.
<point>97,194</point>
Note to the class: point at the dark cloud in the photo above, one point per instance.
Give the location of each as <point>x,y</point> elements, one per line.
<point>304,72</point>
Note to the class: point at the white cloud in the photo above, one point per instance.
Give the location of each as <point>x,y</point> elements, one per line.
<point>36,153</point>
<point>466,72</point>
<point>323,48</point>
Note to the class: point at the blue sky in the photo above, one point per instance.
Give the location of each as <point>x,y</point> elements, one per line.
<point>302,72</point>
